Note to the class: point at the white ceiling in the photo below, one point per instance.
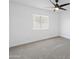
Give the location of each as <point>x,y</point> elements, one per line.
<point>43,4</point>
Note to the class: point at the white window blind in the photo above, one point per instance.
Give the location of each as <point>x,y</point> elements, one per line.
<point>40,22</point>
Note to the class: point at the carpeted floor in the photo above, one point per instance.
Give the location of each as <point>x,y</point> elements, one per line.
<point>56,48</point>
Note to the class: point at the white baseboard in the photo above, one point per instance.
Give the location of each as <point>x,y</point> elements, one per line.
<point>65,36</point>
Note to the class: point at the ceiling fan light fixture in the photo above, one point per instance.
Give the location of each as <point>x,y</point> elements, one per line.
<point>58,6</point>
<point>56,9</point>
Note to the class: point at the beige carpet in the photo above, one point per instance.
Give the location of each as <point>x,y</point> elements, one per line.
<point>56,48</point>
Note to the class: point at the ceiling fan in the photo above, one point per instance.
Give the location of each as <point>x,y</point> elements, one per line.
<point>57,6</point>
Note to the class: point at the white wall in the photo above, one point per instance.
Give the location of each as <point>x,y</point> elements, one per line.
<point>65,24</point>
<point>21,24</point>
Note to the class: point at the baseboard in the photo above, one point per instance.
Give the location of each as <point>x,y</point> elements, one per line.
<point>65,36</point>
<point>38,41</point>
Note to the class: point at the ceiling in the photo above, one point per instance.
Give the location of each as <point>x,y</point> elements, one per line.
<point>43,4</point>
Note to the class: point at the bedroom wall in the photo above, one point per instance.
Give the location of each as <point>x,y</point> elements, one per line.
<point>65,24</point>
<point>21,24</point>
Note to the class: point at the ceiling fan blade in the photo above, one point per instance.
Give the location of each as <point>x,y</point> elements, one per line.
<point>56,1</point>
<point>52,2</point>
<point>64,4</point>
<point>62,9</point>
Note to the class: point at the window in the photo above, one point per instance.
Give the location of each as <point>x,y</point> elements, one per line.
<point>40,22</point>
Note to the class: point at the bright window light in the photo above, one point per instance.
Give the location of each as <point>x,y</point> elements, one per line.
<point>40,22</point>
